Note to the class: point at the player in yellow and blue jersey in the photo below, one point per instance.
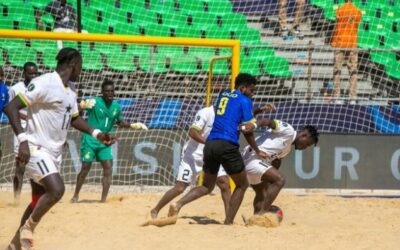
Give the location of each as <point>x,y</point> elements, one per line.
<point>233,111</point>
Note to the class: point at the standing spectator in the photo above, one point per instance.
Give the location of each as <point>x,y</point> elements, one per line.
<point>3,97</point>
<point>283,4</point>
<point>344,40</point>
<point>64,16</point>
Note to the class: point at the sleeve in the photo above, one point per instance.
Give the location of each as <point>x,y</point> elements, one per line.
<point>247,110</point>
<point>36,93</point>
<point>200,120</point>
<point>75,110</point>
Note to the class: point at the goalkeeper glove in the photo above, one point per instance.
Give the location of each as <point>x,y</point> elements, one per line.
<point>87,104</point>
<point>138,125</point>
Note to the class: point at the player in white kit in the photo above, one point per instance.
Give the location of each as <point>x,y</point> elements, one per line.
<point>30,71</point>
<point>192,161</point>
<point>52,108</point>
<point>192,158</point>
<point>264,176</point>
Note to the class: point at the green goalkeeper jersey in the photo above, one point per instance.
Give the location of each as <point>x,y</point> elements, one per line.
<point>102,117</point>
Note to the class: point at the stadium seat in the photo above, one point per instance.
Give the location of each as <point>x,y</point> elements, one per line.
<point>232,19</point>
<point>44,45</point>
<point>49,58</point>
<point>18,57</point>
<point>392,69</point>
<point>251,66</point>
<point>382,58</point>
<point>120,61</point>
<point>217,6</point>
<point>167,114</point>
<point>220,67</point>
<point>92,60</point>
<point>185,63</point>
<point>190,6</point>
<point>277,67</point>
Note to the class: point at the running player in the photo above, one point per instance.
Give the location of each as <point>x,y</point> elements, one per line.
<point>29,72</point>
<point>264,176</point>
<point>103,112</point>
<point>233,108</point>
<point>52,108</point>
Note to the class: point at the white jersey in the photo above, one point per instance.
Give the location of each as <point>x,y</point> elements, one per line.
<point>14,90</point>
<point>51,107</point>
<point>276,143</point>
<point>203,122</point>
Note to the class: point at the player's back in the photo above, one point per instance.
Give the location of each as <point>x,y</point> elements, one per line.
<point>232,109</point>
<point>51,107</point>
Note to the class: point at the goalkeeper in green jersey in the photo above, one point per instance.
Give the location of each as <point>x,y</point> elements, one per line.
<point>103,112</point>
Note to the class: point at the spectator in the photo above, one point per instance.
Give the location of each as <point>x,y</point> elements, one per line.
<point>344,40</point>
<point>283,4</point>
<point>64,16</point>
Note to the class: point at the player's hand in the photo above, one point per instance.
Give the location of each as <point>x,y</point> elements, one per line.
<point>247,128</point>
<point>87,104</point>
<point>138,125</point>
<point>106,138</point>
<point>262,155</point>
<point>23,153</point>
<point>269,107</point>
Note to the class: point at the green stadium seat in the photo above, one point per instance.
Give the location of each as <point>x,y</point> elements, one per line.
<point>185,31</point>
<point>190,6</point>
<point>251,66</point>
<point>220,67</point>
<point>44,45</point>
<point>185,63</point>
<point>247,36</point>
<point>217,6</point>
<point>6,22</point>
<point>157,30</point>
<point>258,52</point>
<point>25,22</point>
<point>49,58</point>
<point>382,58</point>
<point>14,44</point>
<point>232,19</point>
<point>18,57</point>
<point>392,69</point>
<point>172,18</point>
<point>277,67</point>
<point>156,63</point>
<point>47,22</point>
<point>92,60</point>
<point>369,40</point>
<point>120,61</point>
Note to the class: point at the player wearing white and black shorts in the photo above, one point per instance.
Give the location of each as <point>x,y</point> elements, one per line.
<point>30,71</point>
<point>192,161</point>
<point>277,141</point>
<point>52,108</point>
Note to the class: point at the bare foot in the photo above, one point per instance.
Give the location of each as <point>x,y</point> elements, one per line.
<point>153,213</point>
<point>174,210</point>
<point>74,199</point>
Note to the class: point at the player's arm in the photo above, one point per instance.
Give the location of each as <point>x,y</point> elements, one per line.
<point>269,107</point>
<point>267,123</point>
<point>80,124</point>
<point>195,134</point>
<point>12,112</point>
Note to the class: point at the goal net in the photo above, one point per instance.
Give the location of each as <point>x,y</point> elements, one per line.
<point>288,47</point>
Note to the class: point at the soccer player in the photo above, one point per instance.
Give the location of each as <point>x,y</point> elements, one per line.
<point>52,108</point>
<point>263,175</point>
<point>103,112</point>
<point>233,108</point>
<point>4,98</point>
<point>192,159</point>
<point>29,72</point>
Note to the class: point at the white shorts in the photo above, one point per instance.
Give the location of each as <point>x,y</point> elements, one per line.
<point>190,167</point>
<point>255,169</point>
<point>41,164</point>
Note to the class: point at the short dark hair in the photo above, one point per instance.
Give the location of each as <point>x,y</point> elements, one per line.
<point>66,55</point>
<point>106,82</point>
<point>313,133</point>
<point>244,79</point>
<point>29,64</point>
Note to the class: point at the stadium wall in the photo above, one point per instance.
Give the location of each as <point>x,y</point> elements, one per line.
<point>339,161</point>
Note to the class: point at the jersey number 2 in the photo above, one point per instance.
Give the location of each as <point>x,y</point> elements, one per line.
<point>222,105</point>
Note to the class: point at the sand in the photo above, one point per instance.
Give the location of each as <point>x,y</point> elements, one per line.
<point>310,222</point>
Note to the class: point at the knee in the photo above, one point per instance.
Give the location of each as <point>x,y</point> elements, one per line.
<point>243,185</point>
<point>180,189</point>
<point>57,193</point>
<point>223,184</point>
<point>280,182</point>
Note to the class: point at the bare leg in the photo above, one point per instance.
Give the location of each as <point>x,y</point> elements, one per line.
<point>274,182</point>
<point>258,202</point>
<point>168,196</point>
<point>37,191</point>
<point>106,181</point>
<point>223,184</point>
<point>241,183</point>
<point>80,180</point>
<point>18,180</point>
<point>194,194</point>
